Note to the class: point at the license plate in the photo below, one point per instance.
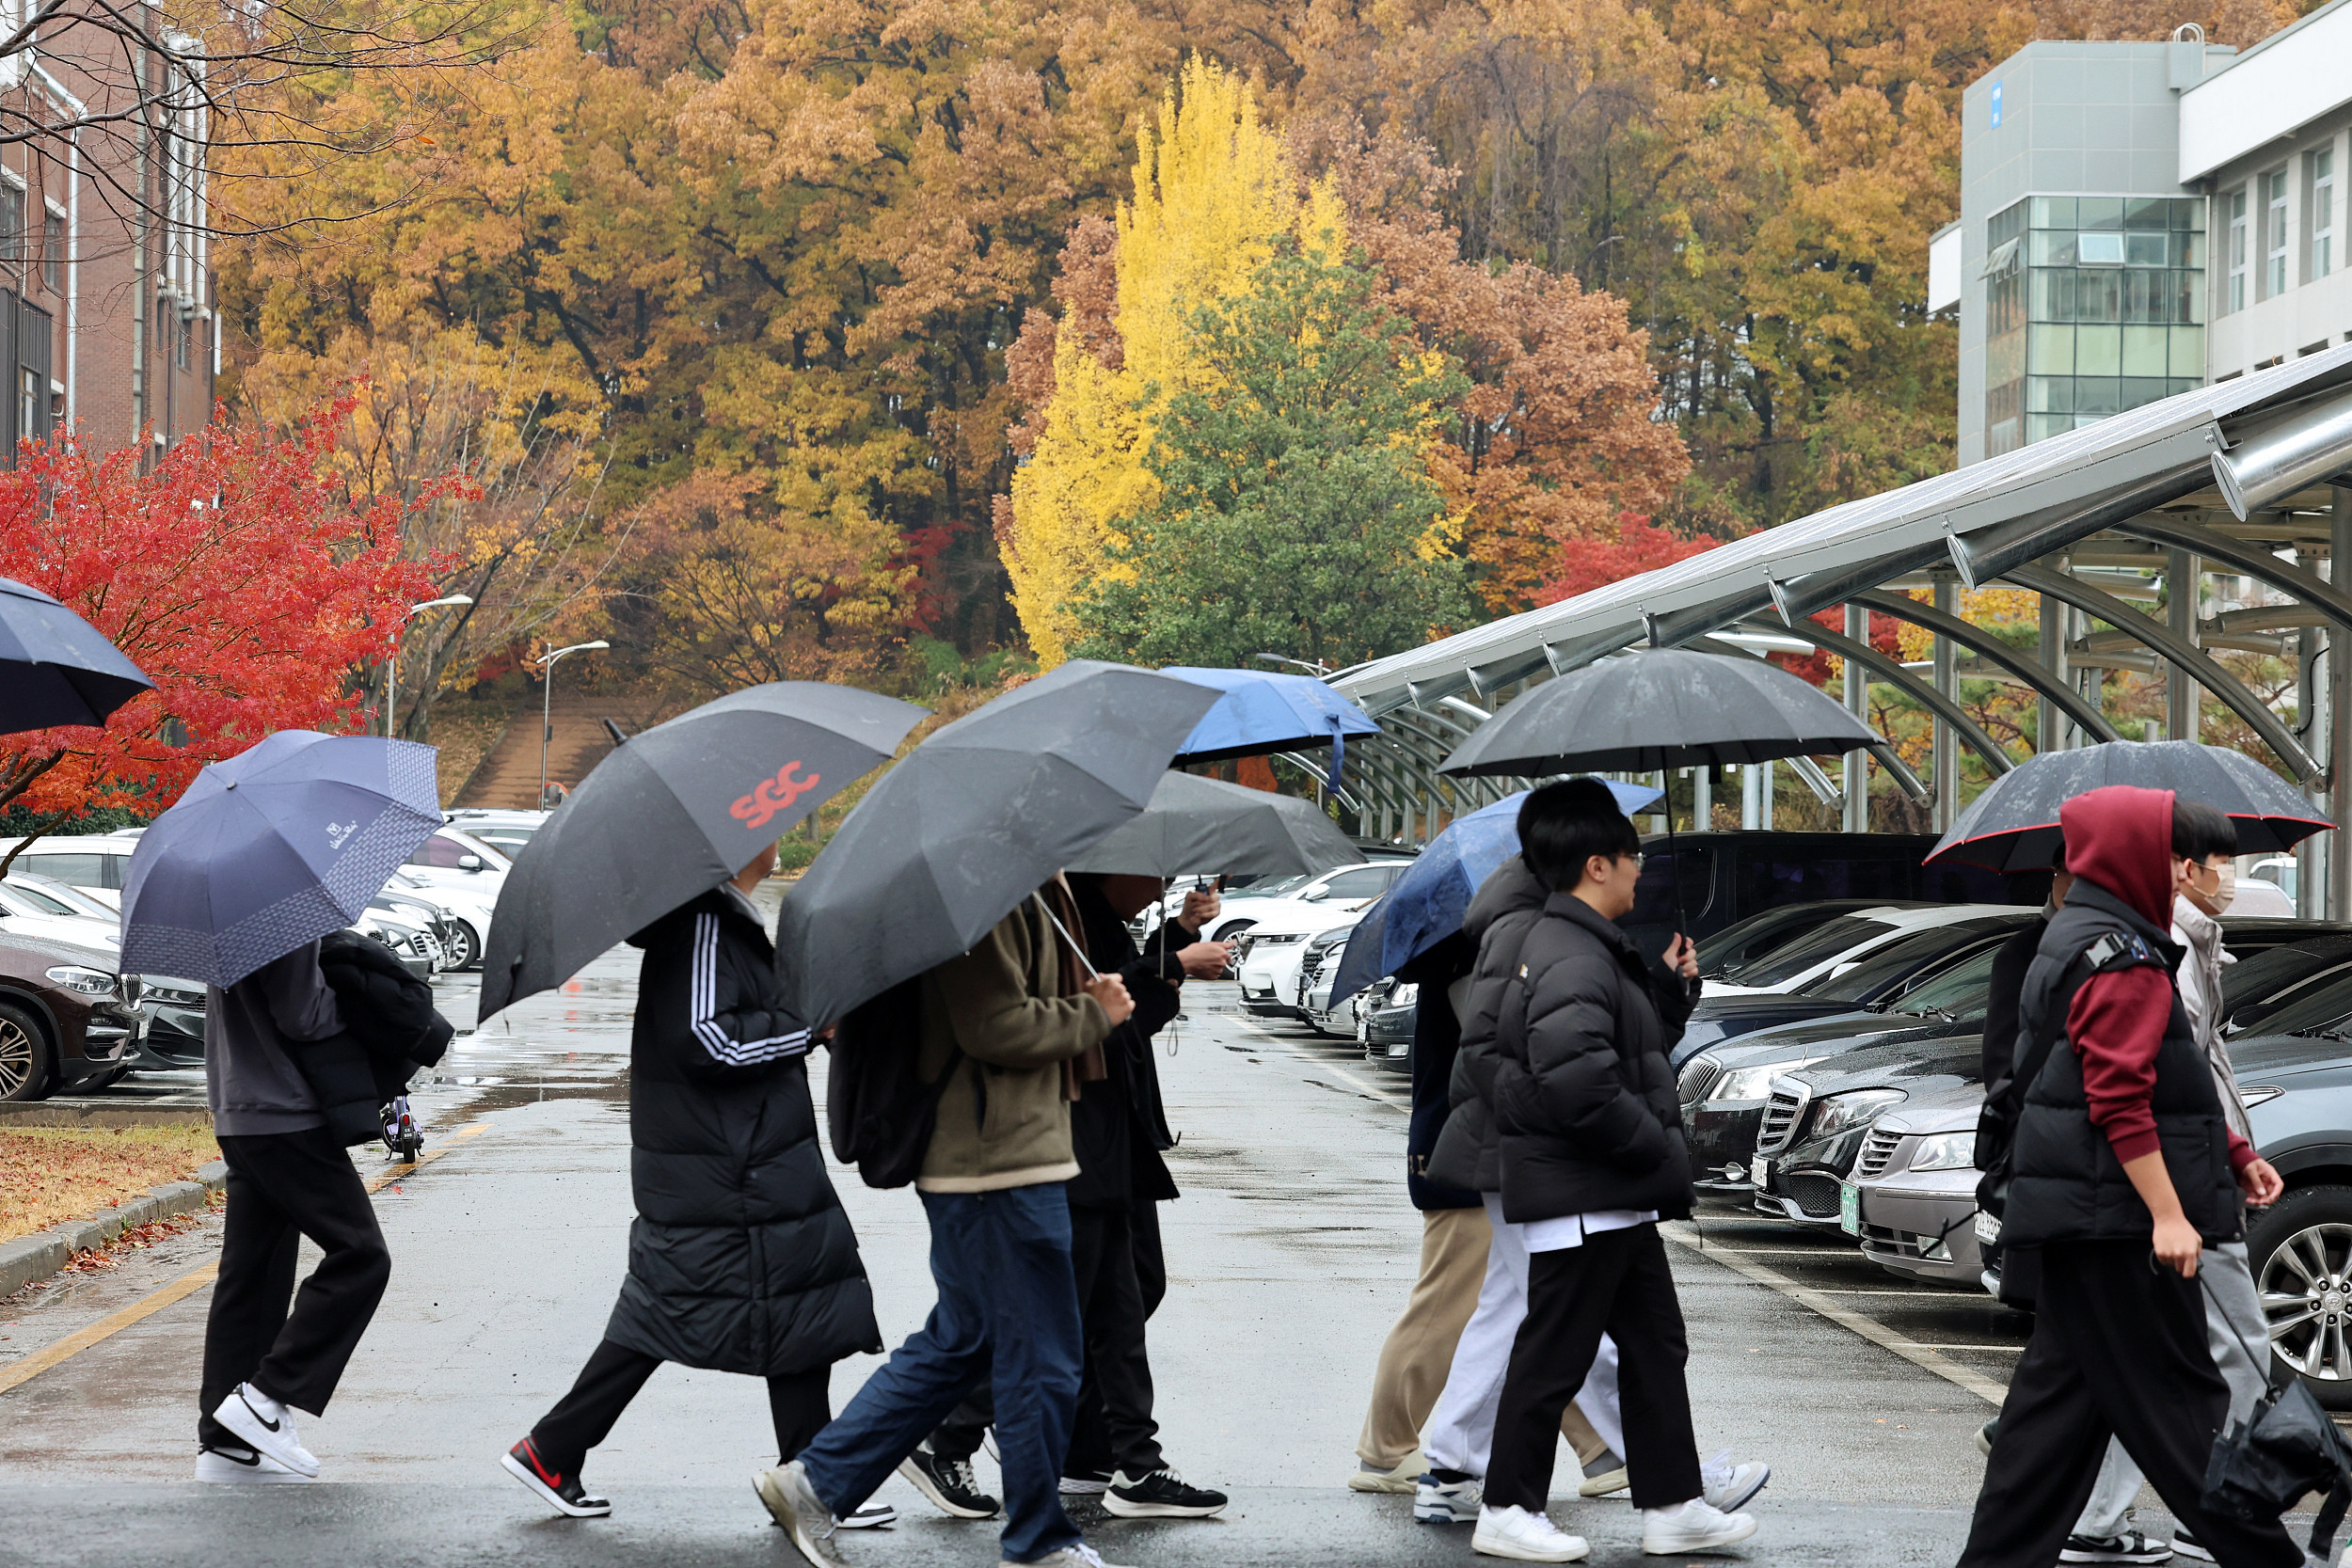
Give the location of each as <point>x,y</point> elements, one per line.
<point>1850,1208</point>
<point>1758,1169</point>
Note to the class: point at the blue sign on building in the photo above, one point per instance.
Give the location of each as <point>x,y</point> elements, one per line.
<point>1996,106</point>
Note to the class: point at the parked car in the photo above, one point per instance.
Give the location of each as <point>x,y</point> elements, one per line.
<point>34,906</point>
<point>1342,889</point>
<point>1268,959</point>
<point>506,831</point>
<point>452,858</point>
<point>1736,945</point>
<point>1385,1023</point>
<point>1915,1184</point>
<point>95,862</point>
<point>67,1017</point>
<point>1838,945</point>
<point>1318,972</point>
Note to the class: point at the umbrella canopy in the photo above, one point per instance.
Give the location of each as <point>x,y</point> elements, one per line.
<point>673,814</point>
<point>1660,708</point>
<point>273,849</point>
<point>1207,825</point>
<point>971,822</point>
<point>1427,903</point>
<point>56,668</point>
<point>2013,826</point>
<point>1263,711</point>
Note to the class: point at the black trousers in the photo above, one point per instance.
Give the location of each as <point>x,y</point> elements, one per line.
<point>800,1402</point>
<point>1114,1252</point>
<point>1617,1282</point>
<point>284,1186</point>
<point>2117,1349</point>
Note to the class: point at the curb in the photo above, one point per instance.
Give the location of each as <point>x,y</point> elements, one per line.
<point>47,1114</point>
<point>37,1257</point>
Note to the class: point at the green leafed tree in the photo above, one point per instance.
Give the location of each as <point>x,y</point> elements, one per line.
<point>1295,515</point>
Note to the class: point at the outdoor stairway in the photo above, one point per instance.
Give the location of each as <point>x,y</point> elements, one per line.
<point>508,776</point>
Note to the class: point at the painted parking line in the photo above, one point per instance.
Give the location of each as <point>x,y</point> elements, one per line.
<point>189,1283</point>
<point>1927,1357</point>
<point>1367,1090</point>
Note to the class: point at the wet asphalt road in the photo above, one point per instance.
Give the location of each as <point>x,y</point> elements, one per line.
<point>1290,1254</point>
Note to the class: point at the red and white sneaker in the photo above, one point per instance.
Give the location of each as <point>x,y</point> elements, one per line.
<point>553,1487</point>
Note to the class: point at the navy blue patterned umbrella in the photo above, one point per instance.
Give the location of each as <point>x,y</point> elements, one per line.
<point>273,849</point>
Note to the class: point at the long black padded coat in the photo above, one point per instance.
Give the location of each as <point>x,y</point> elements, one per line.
<point>741,1258</point>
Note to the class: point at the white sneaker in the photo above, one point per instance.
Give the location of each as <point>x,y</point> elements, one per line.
<point>1078,1555</point>
<point>795,1505</point>
<point>1405,1477</point>
<point>241,1466</point>
<point>1692,1527</point>
<point>1449,1502</point>
<point>267,1426</point>
<point>1729,1487</point>
<point>1514,1532</point>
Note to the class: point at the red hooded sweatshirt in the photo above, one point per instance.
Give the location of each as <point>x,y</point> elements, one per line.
<point>2120,838</point>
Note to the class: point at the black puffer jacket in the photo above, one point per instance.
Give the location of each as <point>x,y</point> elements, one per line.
<point>1505,908</point>
<point>1118,1127</point>
<point>1436,1041</point>
<point>390,1029</point>
<point>1583,1096</point>
<point>741,1258</point>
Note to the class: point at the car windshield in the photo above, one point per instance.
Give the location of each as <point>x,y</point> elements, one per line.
<point>1791,959</point>
<point>2275,975</point>
<point>1756,935</point>
<point>74,899</point>
<point>1958,993</point>
<point>2319,1009</point>
<point>505,835</point>
<point>1288,884</point>
<point>35,901</point>
<point>1894,964</point>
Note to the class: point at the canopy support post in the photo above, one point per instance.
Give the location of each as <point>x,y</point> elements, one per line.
<point>1858,704</point>
<point>2180,605</point>
<point>1946,805</point>
<point>2339,707</point>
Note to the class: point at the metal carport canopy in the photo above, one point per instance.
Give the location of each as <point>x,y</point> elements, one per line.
<point>1860,544</point>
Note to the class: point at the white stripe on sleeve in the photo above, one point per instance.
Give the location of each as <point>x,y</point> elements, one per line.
<point>702,1006</point>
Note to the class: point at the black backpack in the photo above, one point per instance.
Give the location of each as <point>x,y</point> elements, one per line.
<point>877,1110</point>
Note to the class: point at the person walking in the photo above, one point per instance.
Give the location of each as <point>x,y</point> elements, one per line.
<point>1593,1156</point>
<point>2125,1174</point>
<point>741,1258</point>
<point>287,1178</point>
<point>2205,880</point>
<point>1007,1030</point>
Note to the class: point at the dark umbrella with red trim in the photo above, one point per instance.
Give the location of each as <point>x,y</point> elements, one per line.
<point>2013,826</point>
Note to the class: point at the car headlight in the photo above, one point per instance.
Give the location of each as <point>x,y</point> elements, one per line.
<point>1840,1112</point>
<point>1945,1152</point>
<point>1750,1083</point>
<point>89,982</point>
<point>1405,995</point>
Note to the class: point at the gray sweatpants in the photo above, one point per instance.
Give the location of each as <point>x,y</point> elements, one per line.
<point>2234,1322</point>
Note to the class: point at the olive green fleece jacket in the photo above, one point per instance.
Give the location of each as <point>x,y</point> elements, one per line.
<point>1004,1118</point>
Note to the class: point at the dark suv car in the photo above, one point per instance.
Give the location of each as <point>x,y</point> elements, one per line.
<point>67,1017</point>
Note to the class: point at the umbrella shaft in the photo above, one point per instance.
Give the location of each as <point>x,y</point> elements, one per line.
<point>1092,974</point>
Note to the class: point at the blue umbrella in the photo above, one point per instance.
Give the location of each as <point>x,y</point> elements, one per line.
<point>1426,904</point>
<point>1262,711</point>
<point>272,849</point>
<point>56,668</point>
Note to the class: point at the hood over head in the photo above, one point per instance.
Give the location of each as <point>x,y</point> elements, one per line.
<point>1510,886</point>
<point>2120,838</point>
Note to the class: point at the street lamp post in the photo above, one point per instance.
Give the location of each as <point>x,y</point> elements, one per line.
<point>547,706</point>
<point>1302,663</point>
<point>392,673</point>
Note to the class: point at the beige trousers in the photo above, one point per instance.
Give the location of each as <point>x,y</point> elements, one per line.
<point>1413,1363</point>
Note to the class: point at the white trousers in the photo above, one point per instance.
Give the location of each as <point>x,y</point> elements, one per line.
<point>1462,1433</point>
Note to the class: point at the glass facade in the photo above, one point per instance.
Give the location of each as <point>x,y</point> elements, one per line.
<point>2095,304</point>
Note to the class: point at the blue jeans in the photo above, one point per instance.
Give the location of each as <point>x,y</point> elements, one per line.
<point>1008,1307</point>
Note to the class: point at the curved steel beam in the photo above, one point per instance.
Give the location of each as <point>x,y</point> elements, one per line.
<point>1993,651</point>
<point>1989,552</point>
<point>2253,559</point>
<point>2184,656</point>
<point>1892,671</point>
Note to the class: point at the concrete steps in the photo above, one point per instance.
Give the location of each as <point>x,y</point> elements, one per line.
<point>508,776</point>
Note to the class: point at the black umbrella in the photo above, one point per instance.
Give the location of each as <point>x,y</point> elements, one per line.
<point>2013,826</point>
<point>56,668</point>
<point>973,821</point>
<point>672,815</point>
<point>1207,825</point>
<point>1661,708</point>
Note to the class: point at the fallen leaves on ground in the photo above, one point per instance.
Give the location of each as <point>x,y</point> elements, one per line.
<point>69,1173</point>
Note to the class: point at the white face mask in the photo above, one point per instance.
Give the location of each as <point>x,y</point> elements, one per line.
<point>2227,889</point>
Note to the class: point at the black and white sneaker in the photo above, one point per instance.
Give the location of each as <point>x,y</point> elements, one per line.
<point>228,1464</point>
<point>1985,1435</point>
<point>872,1517</point>
<point>560,1490</point>
<point>1161,1494</point>
<point>2128,1546</point>
<point>267,1426</point>
<point>948,1483</point>
<point>2188,1545</point>
<point>1085,1484</point>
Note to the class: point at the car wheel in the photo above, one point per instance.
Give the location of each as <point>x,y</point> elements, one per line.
<point>26,1070</point>
<point>465,947</point>
<point>2301,1252</point>
<point>1231,929</point>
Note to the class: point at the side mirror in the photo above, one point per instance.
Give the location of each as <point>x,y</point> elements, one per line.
<point>470,862</point>
<point>2249,1015</point>
<point>1317,896</point>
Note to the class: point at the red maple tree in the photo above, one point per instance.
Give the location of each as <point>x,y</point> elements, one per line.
<point>236,572</point>
<point>1640,545</point>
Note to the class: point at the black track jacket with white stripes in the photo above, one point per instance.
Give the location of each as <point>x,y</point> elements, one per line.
<point>741,1258</point>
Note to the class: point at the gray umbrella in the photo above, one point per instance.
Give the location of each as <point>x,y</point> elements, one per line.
<point>1207,825</point>
<point>2013,826</point>
<point>274,847</point>
<point>1661,707</point>
<point>673,814</point>
<point>979,814</point>
<point>59,669</point>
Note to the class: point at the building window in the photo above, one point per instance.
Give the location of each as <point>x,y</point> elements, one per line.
<point>53,252</point>
<point>184,336</point>
<point>2005,331</point>
<point>11,224</point>
<point>2237,251</point>
<point>28,390</point>
<point>2323,208</point>
<point>2106,312</point>
<point>2274,234</point>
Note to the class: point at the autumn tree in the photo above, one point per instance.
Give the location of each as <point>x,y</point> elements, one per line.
<point>235,571</point>
<point>1292,510</point>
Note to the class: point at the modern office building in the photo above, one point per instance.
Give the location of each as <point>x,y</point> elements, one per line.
<point>2140,219</point>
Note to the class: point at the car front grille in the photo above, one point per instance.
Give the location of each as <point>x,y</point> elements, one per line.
<point>1905,1243</point>
<point>1781,1113</point>
<point>1876,1154</point>
<point>1814,1193</point>
<point>1699,1076</point>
